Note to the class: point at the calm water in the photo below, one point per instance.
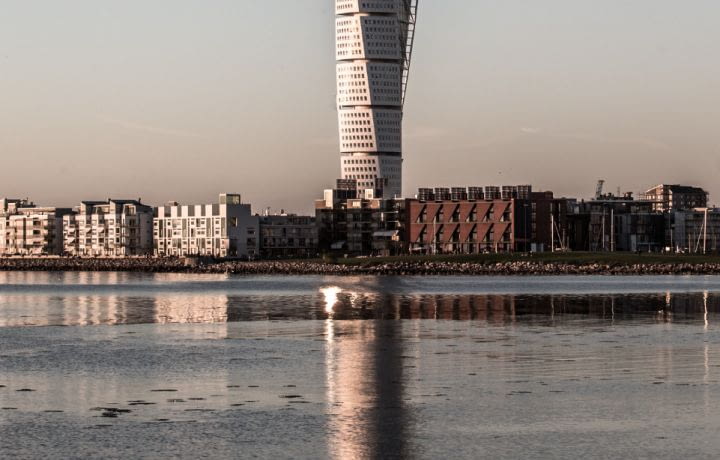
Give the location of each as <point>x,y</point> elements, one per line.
<point>158,366</point>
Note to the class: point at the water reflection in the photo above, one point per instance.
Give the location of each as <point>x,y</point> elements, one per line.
<point>365,390</point>
<point>503,309</point>
<point>117,307</point>
<point>191,309</point>
<point>330,294</point>
<point>380,370</point>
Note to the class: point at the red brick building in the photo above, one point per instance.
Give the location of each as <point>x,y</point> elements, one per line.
<point>467,226</point>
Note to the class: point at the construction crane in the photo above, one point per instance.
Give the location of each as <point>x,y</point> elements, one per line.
<point>599,189</point>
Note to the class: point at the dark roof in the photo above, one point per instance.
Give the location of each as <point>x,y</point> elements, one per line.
<point>685,189</point>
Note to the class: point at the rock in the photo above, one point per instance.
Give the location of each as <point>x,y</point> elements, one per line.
<point>409,268</point>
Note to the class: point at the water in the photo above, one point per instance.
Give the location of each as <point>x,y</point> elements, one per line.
<point>150,365</point>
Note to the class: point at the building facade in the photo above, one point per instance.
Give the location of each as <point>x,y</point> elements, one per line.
<point>639,232</point>
<point>373,51</point>
<point>549,217</point>
<point>11,205</point>
<point>288,236</point>
<point>616,223</point>
<point>668,198</point>
<point>359,225</point>
<point>226,229</point>
<point>695,231</point>
<point>453,221</point>
<point>113,228</point>
<point>27,230</point>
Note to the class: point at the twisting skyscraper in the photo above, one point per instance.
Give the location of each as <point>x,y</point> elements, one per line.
<point>374,40</point>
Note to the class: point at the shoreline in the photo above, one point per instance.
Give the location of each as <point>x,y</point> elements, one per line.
<point>367,267</point>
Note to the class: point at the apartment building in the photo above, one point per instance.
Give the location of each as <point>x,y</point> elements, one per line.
<point>668,198</point>
<point>28,230</point>
<point>549,217</point>
<point>11,205</point>
<point>359,224</point>
<point>615,223</point>
<point>694,231</point>
<point>288,236</point>
<point>451,221</point>
<point>112,228</point>
<point>223,229</point>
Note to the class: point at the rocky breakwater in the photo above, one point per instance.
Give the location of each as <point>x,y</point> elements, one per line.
<point>420,267</point>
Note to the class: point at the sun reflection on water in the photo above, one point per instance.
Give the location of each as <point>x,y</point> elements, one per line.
<point>331,297</point>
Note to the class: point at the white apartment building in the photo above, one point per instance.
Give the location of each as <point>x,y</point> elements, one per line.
<point>373,49</point>
<point>113,228</point>
<point>27,230</point>
<point>223,229</point>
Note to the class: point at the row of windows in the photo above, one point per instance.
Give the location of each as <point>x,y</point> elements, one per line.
<point>377,80</point>
<point>371,176</point>
<point>370,54</point>
<point>356,45</point>
<point>384,50</point>
<point>383,133</point>
<point>387,171</point>
<point>364,168</point>
<point>376,76</point>
<point>356,130</point>
<point>355,114</point>
<point>355,76</point>
<point>360,161</point>
<point>356,122</point>
<point>366,7</point>
<point>383,127</point>
<point>346,22</point>
<point>351,68</point>
<point>381,100</point>
<point>370,146</point>
<point>387,52</point>
<point>382,115</point>
<point>379,114</point>
<point>354,99</point>
<point>355,91</point>
<point>361,176</point>
<point>380,21</point>
<point>358,145</point>
<point>381,33</point>
<point>356,137</point>
<point>380,87</point>
<point>346,67</point>
<point>374,84</point>
<point>392,134</point>
<point>372,21</point>
<point>387,163</point>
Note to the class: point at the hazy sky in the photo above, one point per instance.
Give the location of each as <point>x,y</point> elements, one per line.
<point>182,99</point>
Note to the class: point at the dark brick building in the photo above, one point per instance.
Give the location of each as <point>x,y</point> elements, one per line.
<point>348,223</point>
<point>469,224</point>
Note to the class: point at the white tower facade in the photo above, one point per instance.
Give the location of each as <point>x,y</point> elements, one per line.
<point>373,47</point>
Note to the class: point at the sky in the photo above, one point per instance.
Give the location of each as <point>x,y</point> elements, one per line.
<point>184,99</point>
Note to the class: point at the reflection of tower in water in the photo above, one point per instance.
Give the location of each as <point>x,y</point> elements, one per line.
<point>364,378</point>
